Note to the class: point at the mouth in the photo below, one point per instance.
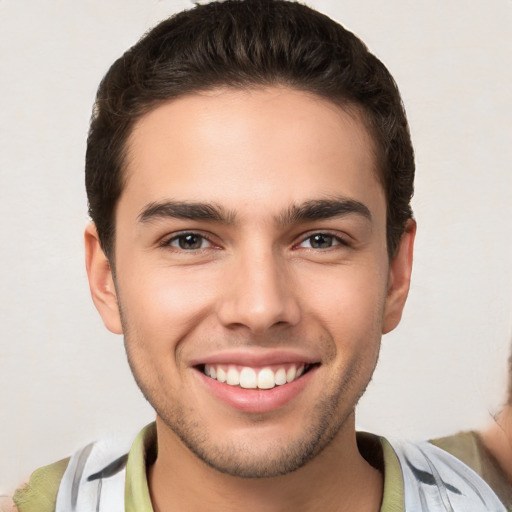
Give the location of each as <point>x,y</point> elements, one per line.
<point>257,383</point>
<point>249,377</point>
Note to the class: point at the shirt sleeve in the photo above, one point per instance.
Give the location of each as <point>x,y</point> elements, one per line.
<point>40,494</point>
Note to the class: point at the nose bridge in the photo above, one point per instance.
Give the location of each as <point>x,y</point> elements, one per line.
<point>259,292</point>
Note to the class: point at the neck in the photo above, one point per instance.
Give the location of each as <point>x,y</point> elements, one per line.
<point>338,479</point>
<point>498,440</point>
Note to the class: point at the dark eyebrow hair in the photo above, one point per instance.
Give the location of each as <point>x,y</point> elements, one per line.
<point>314,209</point>
<point>184,210</point>
<point>318,209</point>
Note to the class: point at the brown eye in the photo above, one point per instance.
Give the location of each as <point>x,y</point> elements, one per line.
<point>321,241</point>
<point>189,242</point>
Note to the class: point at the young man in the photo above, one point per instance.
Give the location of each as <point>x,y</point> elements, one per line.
<point>249,173</point>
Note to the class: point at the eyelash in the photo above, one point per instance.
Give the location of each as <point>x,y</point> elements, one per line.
<point>176,238</point>
<point>336,240</point>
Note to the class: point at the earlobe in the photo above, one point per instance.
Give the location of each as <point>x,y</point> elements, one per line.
<point>101,281</point>
<point>400,269</point>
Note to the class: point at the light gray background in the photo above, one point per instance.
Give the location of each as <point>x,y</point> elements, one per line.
<point>63,377</point>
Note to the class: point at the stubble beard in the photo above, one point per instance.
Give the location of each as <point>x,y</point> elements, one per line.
<point>241,459</point>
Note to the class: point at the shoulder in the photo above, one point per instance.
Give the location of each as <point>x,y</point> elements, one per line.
<point>435,477</point>
<point>471,448</point>
<point>465,446</point>
<point>40,494</point>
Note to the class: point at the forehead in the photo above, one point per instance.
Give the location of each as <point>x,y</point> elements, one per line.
<point>243,147</point>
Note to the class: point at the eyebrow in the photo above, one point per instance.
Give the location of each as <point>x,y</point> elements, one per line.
<point>183,210</point>
<point>316,209</point>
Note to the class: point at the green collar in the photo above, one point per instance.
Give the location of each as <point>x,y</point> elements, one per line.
<point>144,449</point>
<point>393,499</point>
<point>136,493</point>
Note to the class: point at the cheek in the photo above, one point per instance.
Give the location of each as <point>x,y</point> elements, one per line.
<point>349,301</point>
<point>166,302</point>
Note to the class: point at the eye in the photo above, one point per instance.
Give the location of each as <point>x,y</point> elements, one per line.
<point>189,242</point>
<point>321,241</point>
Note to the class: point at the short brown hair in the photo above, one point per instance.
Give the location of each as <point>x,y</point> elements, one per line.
<point>240,44</point>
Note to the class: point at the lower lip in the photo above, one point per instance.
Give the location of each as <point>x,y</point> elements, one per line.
<point>257,400</point>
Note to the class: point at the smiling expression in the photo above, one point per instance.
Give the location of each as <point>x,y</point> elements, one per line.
<point>251,274</point>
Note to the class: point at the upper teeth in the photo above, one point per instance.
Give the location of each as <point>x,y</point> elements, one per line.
<point>251,378</point>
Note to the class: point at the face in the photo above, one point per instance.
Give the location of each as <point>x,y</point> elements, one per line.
<point>252,276</point>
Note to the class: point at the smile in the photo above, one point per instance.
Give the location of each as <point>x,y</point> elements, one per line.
<point>257,383</point>
<point>255,378</point>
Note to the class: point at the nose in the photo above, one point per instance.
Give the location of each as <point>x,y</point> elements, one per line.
<point>258,295</point>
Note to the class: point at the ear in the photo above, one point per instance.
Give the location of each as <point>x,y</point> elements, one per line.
<point>400,269</point>
<point>101,281</point>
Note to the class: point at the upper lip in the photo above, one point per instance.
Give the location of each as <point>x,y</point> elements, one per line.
<point>256,359</point>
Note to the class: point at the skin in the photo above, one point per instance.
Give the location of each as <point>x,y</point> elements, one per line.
<point>6,504</point>
<point>498,440</point>
<point>256,286</point>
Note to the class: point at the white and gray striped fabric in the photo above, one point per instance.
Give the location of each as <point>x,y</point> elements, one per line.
<point>434,480</point>
<point>94,480</point>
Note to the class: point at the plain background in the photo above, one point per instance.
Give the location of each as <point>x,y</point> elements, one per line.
<point>63,378</point>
